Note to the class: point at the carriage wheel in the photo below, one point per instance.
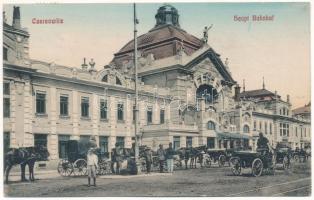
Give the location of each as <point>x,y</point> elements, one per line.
<point>257,167</point>
<point>101,168</point>
<point>221,160</point>
<point>208,162</point>
<point>235,165</point>
<point>65,168</point>
<point>296,158</point>
<point>177,164</point>
<point>80,167</point>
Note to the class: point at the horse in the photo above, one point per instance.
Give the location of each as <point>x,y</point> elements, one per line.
<point>194,155</point>
<point>24,156</point>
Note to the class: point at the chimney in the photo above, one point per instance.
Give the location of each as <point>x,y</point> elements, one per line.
<point>237,92</point>
<point>243,85</point>
<point>288,98</point>
<point>16,18</point>
<point>84,65</point>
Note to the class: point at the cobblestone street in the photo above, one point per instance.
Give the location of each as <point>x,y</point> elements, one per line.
<point>192,182</point>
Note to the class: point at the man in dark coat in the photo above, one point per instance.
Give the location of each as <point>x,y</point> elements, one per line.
<point>169,156</point>
<point>262,142</point>
<point>117,157</point>
<point>263,148</point>
<point>148,159</point>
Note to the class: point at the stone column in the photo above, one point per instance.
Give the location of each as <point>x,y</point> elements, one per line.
<point>19,117</point>
<point>76,113</point>
<point>156,113</point>
<point>95,116</point>
<point>52,137</point>
<point>112,114</point>
<point>13,121</point>
<point>183,141</point>
<point>28,115</point>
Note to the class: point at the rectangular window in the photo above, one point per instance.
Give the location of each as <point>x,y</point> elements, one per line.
<point>270,128</point>
<point>120,142</point>
<point>301,132</point>
<point>64,102</point>
<point>304,132</point>
<point>63,145</point>
<point>85,107</point>
<point>6,142</point>
<point>149,115</point>
<point>120,111</point>
<point>254,125</point>
<point>260,126</point>
<point>40,140</point>
<point>296,131</point>
<point>176,142</point>
<point>103,109</point>
<point>6,88</point>
<point>103,144</point>
<point>40,103</point>
<point>6,107</point>
<point>211,142</point>
<point>189,141</point>
<point>280,129</point>
<point>134,113</point>
<point>5,53</point>
<point>162,116</point>
<point>265,127</point>
<point>6,99</point>
<point>284,129</point>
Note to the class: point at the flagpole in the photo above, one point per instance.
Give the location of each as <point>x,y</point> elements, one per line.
<point>136,95</point>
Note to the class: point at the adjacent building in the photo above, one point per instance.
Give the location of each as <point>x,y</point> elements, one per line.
<point>187,96</point>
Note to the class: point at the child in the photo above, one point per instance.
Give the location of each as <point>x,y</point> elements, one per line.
<point>92,165</point>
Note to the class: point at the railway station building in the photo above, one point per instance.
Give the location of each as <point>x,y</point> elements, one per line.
<point>187,96</point>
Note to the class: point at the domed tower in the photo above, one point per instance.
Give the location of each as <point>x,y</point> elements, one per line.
<point>165,39</point>
<point>167,14</point>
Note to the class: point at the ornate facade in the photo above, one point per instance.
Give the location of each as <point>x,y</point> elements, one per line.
<point>187,96</point>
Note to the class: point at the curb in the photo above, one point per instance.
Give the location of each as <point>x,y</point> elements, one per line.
<point>133,176</point>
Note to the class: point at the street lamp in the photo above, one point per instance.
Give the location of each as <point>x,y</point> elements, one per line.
<point>138,169</point>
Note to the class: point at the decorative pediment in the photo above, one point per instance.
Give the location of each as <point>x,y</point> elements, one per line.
<point>111,76</point>
<point>211,59</point>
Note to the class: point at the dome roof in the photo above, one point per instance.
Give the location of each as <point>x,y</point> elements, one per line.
<point>163,40</point>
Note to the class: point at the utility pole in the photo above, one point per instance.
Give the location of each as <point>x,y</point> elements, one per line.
<point>136,95</point>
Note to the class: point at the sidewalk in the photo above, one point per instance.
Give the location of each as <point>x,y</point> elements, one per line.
<point>113,176</point>
<point>50,174</point>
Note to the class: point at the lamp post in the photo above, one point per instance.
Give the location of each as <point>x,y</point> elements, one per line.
<point>138,169</point>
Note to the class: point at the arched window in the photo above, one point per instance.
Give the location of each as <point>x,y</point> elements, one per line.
<point>118,82</point>
<point>105,78</point>
<point>246,129</point>
<point>211,125</point>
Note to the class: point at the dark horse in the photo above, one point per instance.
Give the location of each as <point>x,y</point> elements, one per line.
<point>24,156</point>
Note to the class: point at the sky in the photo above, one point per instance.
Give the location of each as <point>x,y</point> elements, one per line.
<point>277,50</point>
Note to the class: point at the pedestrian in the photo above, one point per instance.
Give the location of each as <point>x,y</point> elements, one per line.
<point>169,156</point>
<point>186,154</point>
<point>92,165</point>
<point>161,157</point>
<point>117,157</point>
<point>148,159</point>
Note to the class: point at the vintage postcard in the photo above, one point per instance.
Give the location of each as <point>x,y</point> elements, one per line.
<point>156,99</point>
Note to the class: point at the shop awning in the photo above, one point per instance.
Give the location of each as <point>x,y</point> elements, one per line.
<point>227,135</point>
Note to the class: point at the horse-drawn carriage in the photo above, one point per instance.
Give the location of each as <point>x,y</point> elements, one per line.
<point>301,155</point>
<point>75,163</point>
<point>260,161</point>
<point>218,156</point>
